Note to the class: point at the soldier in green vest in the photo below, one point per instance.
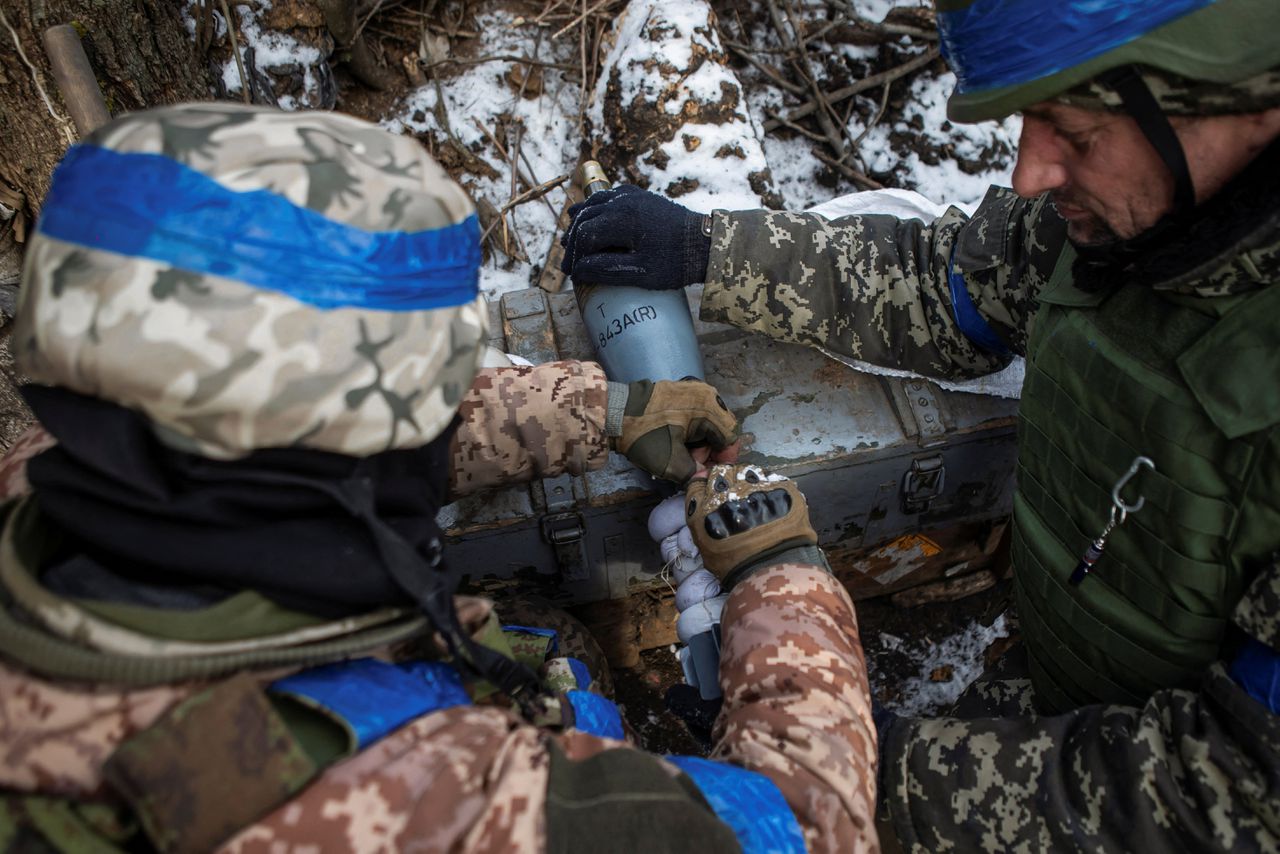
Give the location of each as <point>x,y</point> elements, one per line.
<point>1136,266</point>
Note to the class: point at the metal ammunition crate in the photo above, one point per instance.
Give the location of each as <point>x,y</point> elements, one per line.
<point>876,457</point>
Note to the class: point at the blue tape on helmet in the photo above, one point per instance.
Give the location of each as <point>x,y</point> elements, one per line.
<point>971,322</point>
<point>150,206</point>
<point>595,715</point>
<point>1257,670</point>
<point>748,802</point>
<point>581,673</point>
<point>993,43</point>
<point>373,697</point>
<point>554,645</point>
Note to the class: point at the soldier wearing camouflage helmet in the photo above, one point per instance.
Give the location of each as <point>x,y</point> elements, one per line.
<point>1136,266</point>
<point>226,620</point>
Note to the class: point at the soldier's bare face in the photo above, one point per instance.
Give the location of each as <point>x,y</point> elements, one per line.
<point>1106,179</point>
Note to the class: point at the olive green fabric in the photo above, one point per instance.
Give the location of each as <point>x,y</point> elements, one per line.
<point>244,615</point>
<point>1105,384</point>
<point>25,542</point>
<point>323,738</point>
<point>631,800</point>
<point>34,825</point>
<point>1228,41</point>
<point>1239,403</point>
<point>211,766</point>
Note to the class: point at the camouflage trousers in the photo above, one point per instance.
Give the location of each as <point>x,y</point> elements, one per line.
<point>1003,691</point>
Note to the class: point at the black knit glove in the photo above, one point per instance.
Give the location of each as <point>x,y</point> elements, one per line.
<point>629,236</point>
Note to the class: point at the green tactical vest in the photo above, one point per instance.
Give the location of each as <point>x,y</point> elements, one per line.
<point>1193,383</point>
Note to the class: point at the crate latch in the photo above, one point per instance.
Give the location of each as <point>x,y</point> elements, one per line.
<point>922,483</point>
<point>563,528</point>
<point>564,533</point>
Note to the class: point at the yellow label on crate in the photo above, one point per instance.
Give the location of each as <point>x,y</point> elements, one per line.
<point>914,542</point>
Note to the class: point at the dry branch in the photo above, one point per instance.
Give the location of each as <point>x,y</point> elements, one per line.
<point>861,86</point>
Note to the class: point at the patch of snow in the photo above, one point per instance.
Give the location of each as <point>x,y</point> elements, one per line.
<point>925,115</point>
<point>272,51</point>
<point>482,97</point>
<point>921,696</point>
<point>655,45</point>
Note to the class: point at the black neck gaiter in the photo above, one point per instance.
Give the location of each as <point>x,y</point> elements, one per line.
<point>1182,242</point>
<point>293,524</point>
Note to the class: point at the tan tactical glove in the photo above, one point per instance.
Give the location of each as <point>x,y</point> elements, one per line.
<point>654,424</point>
<point>743,519</point>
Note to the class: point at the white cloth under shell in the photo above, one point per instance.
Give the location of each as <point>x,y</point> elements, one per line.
<point>685,566</point>
<point>700,617</point>
<point>699,586</point>
<point>667,518</point>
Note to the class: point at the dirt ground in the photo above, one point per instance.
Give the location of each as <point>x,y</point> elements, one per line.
<point>641,691</point>
<point>14,415</point>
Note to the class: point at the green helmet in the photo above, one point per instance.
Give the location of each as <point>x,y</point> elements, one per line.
<point>1197,57</point>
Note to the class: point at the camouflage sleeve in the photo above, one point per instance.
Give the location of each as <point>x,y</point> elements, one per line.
<point>796,703</point>
<point>1189,771</point>
<point>877,288</point>
<point>524,423</point>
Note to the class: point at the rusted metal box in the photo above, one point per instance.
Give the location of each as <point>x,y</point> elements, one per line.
<point>876,457</point>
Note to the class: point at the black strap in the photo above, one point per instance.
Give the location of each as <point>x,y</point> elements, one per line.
<point>1136,96</point>
<point>431,585</point>
<point>427,581</point>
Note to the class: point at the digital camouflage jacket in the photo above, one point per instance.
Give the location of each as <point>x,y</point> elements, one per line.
<point>1160,748</point>
<point>472,777</point>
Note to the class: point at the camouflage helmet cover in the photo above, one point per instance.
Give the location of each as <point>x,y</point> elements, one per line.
<point>249,278</point>
<point>1198,57</point>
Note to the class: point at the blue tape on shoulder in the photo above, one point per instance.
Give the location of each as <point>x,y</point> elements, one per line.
<point>581,673</point>
<point>748,802</point>
<point>595,715</point>
<point>971,322</point>
<point>150,206</point>
<point>532,630</point>
<point>1257,670</point>
<point>375,697</point>
<point>994,43</point>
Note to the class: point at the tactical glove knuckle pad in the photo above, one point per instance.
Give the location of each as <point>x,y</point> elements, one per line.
<point>739,513</point>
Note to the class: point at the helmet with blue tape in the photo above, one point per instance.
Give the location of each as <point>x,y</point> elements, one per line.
<point>1198,57</point>
<point>249,278</point>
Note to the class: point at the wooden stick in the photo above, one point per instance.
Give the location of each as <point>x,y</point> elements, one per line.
<point>235,51</point>
<point>862,85</point>
<point>75,79</point>
<point>778,79</point>
<point>559,66</point>
<point>801,58</point>
<point>848,171</point>
<point>800,129</point>
<point>875,120</point>
<point>537,192</point>
<point>583,17</point>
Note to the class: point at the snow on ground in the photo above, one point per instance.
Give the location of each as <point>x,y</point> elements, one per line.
<point>946,668</point>
<point>269,49</point>
<point>482,98</point>
<point>945,181</point>
<point>655,48</point>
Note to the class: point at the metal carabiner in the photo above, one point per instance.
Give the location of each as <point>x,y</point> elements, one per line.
<point>1116,500</point>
